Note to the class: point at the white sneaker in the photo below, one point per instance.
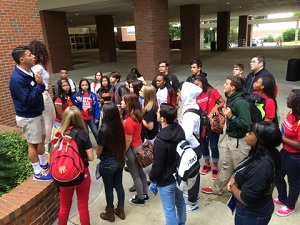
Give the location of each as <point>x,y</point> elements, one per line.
<point>191,208</point>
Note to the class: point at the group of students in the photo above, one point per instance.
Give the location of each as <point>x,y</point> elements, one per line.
<point>142,111</point>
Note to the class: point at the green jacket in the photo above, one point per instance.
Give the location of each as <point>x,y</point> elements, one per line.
<point>240,120</point>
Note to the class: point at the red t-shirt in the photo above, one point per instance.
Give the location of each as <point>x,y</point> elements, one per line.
<point>270,107</point>
<point>59,102</point>
<point>133,128</point>
<point>87,103</point>
<point>291,131</point>
<point>213,98</point>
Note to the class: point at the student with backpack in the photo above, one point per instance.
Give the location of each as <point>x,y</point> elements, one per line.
<point>73,125</point>
<point>112,156</point>
<point>117,90</point>
<point>210,101</point>
<point>190,123</point>
<point>238,119</point>
<point>164,165</point>
<point>87,102</point>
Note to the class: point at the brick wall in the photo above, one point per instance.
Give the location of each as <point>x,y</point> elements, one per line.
<point>20,23</point>
<point>190,32</point>
<point>32,202</point>
<point>152,35</point>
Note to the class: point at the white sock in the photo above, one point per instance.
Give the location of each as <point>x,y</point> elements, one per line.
<point>36,167</point>
<point>43,159</point>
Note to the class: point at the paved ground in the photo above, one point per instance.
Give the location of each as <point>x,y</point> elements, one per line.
<point>218,65</point>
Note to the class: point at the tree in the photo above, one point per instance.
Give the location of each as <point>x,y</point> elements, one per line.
<point>289,34</point>
<point>174,31</point>
<point>233,35</point>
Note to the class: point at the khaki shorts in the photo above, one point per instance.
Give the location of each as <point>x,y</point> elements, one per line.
<point>33,128</point>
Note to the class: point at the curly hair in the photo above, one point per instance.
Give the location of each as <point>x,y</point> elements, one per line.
<point>40,51</point>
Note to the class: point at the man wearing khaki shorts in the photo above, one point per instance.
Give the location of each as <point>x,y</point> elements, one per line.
<point>27,93</point>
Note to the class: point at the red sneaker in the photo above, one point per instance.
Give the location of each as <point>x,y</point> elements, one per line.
<point>205,169</point>
<point>284,211</point>
<point>277,202</point>
<point>215,173</point>
<point>207,190</point>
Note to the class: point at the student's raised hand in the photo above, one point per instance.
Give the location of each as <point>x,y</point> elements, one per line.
<point>38,78</point>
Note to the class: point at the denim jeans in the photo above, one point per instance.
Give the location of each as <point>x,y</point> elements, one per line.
<point>93,127</point>
<point>194,191</point>
<point>112,175</point>
<point>254,216</point>
<point>213,140</point>
<point>172,197</point>
<point>290,166</point>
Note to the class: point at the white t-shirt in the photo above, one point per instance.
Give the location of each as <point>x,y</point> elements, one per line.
<point>45,75</point>
<point>94,88</point>
<point>162,95</point>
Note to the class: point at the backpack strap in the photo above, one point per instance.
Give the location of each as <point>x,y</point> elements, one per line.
<point>193,110</point>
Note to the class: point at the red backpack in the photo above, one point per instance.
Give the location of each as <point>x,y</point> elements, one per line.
<point>66,165</point>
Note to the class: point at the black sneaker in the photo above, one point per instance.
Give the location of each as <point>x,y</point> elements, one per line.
<point>132,189</point>
<point>137,201</point>
<point>146,197</point>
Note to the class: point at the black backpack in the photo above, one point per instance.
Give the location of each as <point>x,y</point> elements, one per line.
<point>256,103</point>
<point>204,124</point>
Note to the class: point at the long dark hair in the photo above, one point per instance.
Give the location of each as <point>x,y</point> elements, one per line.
<point>102,88</point>
<point>84,79</point>
<point>114,130</point>
<point>205,85</point>
<point>133,107</point>
<point>296,108</point>
<point>61,94</point>
<point>269,88</point>
<point>268,138</point>
<point>40,52</point>
<point>137,86</point>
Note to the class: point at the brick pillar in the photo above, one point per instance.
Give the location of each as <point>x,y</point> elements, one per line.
<point>15,31</point>
<point>243,31</point>
<point>152,35</point>
<point>223,31</point>
<point>56,37</point>
<point>106,38</point>
<point>119,34</point>
<point>190,32</point>
<point>249,32</point>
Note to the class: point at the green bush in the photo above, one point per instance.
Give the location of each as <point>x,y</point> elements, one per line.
<point>289,35</point>
<point>269,38</point>
<point>14,164</point>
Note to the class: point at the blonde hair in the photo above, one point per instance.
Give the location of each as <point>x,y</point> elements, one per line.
<point>150,99</point>
<point>71,117</point>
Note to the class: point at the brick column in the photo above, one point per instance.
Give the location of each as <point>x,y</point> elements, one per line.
<point>152,35</point>
<point>106,38</point>
<point>223,31</point>
<point>15,31</point>
<point>190,32</point>
<point>243,31</point>
<point>249,32</point>
<point>56,37</point>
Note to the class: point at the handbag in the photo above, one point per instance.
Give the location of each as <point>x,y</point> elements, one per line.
<point>217,122</point>
<point>144,156</point>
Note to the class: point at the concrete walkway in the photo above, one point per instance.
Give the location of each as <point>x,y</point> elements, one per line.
<point>218,65</point>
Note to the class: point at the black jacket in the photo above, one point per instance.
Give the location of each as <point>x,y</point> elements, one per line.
<point>164,162</point>
<point>249,82</point>
<point>191,78</point>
